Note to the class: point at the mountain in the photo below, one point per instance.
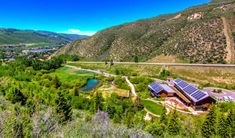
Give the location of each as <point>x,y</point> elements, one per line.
<point>14,37</point>
<point>200,34</point>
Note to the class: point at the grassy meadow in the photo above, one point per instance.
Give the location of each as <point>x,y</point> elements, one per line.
<point>153,107</point>
<point>204,76</point>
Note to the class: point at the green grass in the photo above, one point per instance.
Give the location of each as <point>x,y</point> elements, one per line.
<point>160,99</point>
<point>204,76</point>
<point>153,107</point>
<point>68,75</point>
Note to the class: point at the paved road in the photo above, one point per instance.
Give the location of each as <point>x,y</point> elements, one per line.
<point>165,64</point>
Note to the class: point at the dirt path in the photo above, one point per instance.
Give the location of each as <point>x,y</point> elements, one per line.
<point>131,86</point>
<point>229,40</point>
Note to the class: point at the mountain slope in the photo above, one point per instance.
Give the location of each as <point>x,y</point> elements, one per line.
<point>14,36</point>
<point>194,35</point>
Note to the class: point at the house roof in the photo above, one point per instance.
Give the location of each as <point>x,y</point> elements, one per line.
<point>167,88</point>
<point>155,87</point>
<point>192,92</point>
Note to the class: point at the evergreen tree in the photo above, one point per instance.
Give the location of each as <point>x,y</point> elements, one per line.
<point>230,122</point>
<point>163,118</point>
<point>15,95</point>
<point>111,62</point>
<point>136,59</point>
<point>98,99</point>
<point>174,125</point>
<point>76,91</point>
<point>138,103</point>
<point>56,82</point>
<point>63,107</point>
<point>157,130</point>
<point>209,125</point>
<point>106,62</point>
<point>222,127</point>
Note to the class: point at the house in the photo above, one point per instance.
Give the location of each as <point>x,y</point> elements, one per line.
<point>161,90</point>
<point>192,96</point>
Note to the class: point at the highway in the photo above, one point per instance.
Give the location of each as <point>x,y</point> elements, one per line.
<point>165,64</point>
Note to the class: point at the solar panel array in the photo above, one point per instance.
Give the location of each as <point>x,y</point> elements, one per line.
<point>156,87</point>
<point>190,90</point>
<point>183,84</point>
<point>198,95</point>
<point>178,80</point>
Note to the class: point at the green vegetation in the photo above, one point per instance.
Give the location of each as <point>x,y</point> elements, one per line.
<point>121,83</point>
<point>45,100</point>
<point>69,75</point>
<point>156,109</point>
<point>140,84</point>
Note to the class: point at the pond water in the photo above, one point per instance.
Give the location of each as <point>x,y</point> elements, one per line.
<point>91,85</point>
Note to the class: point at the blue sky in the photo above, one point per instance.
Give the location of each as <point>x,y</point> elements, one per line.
<point>83,16</point>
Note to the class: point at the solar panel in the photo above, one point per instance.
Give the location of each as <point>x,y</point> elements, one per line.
<point>198,95</point>
<point>156,87</point>
<point>183,84</point>
<point>178,80</point>
<point>190,89</point>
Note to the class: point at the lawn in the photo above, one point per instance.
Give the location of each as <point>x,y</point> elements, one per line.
<point>153,107</point>
<point>66,74</point>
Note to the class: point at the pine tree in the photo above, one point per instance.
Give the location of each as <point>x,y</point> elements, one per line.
<point>230,122</point>
<point>222,127</point>
<point>76,91</point>
<point>157,130</point>
<point>15,95</point>
<point>111,62</point>
<point>209,125</point>
<point>98,99</point>
<point>174,126</point>
<point>136,59</point>
<point>163,118</point>
<point>63,107</point>
<point>56,82</point>
<point>138,103</point>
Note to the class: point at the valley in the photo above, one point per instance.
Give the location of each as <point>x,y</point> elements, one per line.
<point>170,76</point>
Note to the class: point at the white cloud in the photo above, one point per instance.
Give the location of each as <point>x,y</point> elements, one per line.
<point>74,31</point>
<point>79,32</point>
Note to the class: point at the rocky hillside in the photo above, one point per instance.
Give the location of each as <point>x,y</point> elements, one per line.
<point>195,35</point>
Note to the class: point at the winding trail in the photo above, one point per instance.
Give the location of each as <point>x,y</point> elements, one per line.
<point>131,86</point>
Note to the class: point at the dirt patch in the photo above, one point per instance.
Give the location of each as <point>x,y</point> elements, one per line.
<point>229,40</point>
<point>165,59</point>
<point>177,16</point>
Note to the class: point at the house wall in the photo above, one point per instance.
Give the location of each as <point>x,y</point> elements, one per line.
<point>163,94</point>
<point>171,94</point>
